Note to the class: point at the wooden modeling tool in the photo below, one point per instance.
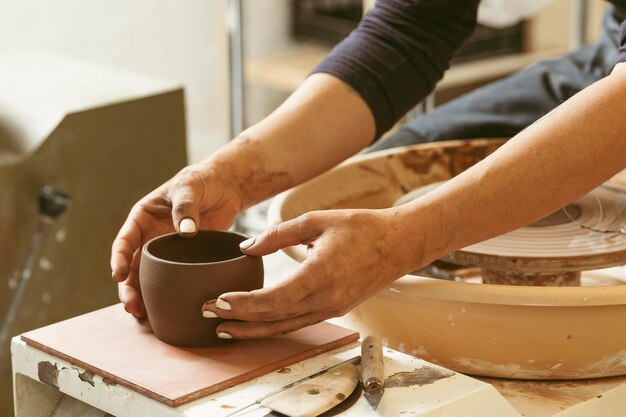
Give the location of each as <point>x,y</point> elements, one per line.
<point>372,370</point>
<point>312,395</point>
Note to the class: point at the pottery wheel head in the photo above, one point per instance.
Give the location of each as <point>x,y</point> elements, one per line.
<point>589,233</point>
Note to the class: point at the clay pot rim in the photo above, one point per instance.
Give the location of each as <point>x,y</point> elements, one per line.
<point>155,258</point>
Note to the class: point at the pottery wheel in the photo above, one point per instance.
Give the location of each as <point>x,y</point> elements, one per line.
<point>503,331</point>
<point>587,234</point>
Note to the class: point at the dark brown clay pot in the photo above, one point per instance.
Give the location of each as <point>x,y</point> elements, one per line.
<point>178,275</point>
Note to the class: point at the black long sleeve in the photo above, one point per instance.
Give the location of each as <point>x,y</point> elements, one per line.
<point>399,51</point>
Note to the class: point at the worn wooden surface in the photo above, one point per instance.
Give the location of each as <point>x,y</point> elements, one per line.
<point>431,390</point>
<point>110,343</point>
<point>419,389</point>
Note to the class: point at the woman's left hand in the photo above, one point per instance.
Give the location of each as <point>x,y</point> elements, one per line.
<point>352,254</point>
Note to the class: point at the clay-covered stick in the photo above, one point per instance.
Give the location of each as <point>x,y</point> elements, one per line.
<point>372,368</point>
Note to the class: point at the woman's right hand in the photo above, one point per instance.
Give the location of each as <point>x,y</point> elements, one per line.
<point>321,124</point>
<point>195,198</point>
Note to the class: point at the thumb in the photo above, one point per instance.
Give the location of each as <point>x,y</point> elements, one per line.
<point>301,230</point>
<point>185,199</point>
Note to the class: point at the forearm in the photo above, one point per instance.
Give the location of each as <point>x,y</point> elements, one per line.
<point>321,124</point>
<point>393,60</point>
<point>399,51</point>
<point>553,162</point>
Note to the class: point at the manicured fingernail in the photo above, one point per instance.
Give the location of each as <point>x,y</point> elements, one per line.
<point>246,243</point>
<point>224,305</point>
<point>208,314</point>
<point>187,226</point>
<point>113,276</point>
<point>224,335</point>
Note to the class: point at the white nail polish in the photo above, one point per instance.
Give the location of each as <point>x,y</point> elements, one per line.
<point>187,226</point>
<point>246,243</point>
<point>224,335</point>
<point>209,314</point>
<point>224,305</point>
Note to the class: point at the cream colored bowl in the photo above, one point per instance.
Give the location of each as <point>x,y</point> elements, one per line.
<point>491,330</point>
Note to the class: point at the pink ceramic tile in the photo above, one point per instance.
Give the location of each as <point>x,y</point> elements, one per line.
<point>112,344</point>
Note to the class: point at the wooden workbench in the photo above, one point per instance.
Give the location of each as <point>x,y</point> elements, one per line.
<point>51,381</point>
<point>71,391</point>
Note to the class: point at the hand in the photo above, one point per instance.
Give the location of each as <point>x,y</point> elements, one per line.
<point>195,198</point>
<point>352,254</point>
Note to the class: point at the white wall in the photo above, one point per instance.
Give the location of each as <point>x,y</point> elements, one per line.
<point>177,40</point>
<point>267,27</point>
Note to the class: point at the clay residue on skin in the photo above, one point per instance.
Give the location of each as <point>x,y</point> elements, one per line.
<point>87,376</point>
<point>259,182</point>
<point>48,373</point>
<point>263,184</point>
<point>420,376</point>
<point>284,370</point>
